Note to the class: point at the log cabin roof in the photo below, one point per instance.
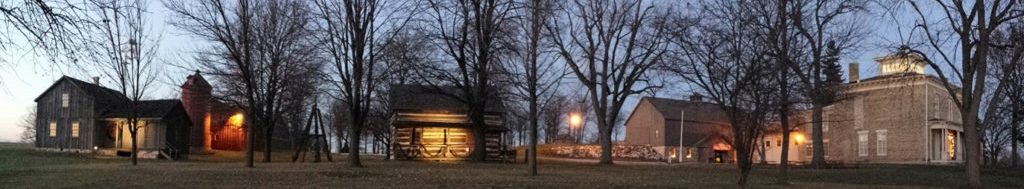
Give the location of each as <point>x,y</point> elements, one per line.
<point>428,98</point>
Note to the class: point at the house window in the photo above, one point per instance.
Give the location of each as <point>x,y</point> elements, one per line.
<point>53,129</point>
<point>74,129</point>
<point>767,143</point>
<point>824,126</point>
<point>65,100</point>
<point>880,141</point>
<point>862,143</point>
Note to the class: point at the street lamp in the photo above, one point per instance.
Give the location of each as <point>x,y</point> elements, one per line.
<point>575,121</point>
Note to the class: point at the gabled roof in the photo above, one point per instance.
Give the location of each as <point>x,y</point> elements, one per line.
<point>694,111</point>
<point>101,94</point>
<point>147,109</point>
<point>196,81</point>
<point>420,97</point>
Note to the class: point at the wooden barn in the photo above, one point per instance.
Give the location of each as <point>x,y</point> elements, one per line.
<point>432,124</point>
<point>78,116</point>
<point>681,130</point>
<point>215,125</point>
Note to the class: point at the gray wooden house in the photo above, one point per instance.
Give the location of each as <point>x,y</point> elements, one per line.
<point>78,116</point>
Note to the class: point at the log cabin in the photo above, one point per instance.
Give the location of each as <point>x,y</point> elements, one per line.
<point>433,124</point>
<point>77,116</point>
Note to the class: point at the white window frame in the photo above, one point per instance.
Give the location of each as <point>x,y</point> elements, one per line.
<point>862,143</point>
<point>74,129</point>
<point>881,142</point>
<point>53,129</point>
<point>65,100</point>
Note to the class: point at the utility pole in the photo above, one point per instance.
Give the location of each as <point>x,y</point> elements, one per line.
<point>682,120</point>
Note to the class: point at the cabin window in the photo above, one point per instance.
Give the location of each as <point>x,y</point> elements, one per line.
<point>880,140</point>
<point>53,129</point>
<point>862,143</point>
<point>74,129</point>
<point>65,100</point>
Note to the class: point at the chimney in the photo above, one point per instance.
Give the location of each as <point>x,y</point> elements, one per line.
<point>854,73</point>
<point>696,97</point>
<point>96,80</point>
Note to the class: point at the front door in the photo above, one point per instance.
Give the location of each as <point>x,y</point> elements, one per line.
<point>720,156</point>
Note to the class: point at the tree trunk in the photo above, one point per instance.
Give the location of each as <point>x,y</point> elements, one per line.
<point>532,152</point>
<point>479,145</point>
<point>354,137</point>
<point>267,143</point>
<point>135,147</point>
<point>744,164</point>
<point>972,149</point>
<point>784,158</point>
<point>250,146</point>
<point>605,139</point>
<point>817,137</point>
<point>1015,132</point>
<point>761,151</point>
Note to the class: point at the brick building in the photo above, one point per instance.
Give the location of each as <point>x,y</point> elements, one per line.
<point>900,116</point>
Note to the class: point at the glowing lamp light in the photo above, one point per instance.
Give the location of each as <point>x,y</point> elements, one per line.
<point>236,120</point>
<point>575,119</point>
<point>799,138</point>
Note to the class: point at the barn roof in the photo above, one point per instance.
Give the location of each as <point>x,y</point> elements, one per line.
<point>421,97</point>
<point>695,110</point>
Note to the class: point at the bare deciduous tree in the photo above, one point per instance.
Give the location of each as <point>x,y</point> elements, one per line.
<point>968,25</point>
<point>55,27</point>
<point>726,58</point>
<point>822,25</point>
<point>126,52</point>
<point>230,27</point>
<point>353,32</point>
<point>536,75</point>
<point>472,35</point>
<point>28,126</point>
<point>610,46</point>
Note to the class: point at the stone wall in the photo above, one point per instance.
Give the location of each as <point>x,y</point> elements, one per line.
<point>637,152</point>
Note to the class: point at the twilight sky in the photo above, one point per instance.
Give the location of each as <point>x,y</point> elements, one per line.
<point>23,76</point>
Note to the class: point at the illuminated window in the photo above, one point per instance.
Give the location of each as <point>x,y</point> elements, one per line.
<point>53,129</point>
<point>689,153</point>
<point>880,141</point>
<point>951,144</point>
<point>74,129</point>
<point>65,100</point>
<point>862,143</point>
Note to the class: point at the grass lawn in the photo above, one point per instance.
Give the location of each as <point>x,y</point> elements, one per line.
<point>23,167</point>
